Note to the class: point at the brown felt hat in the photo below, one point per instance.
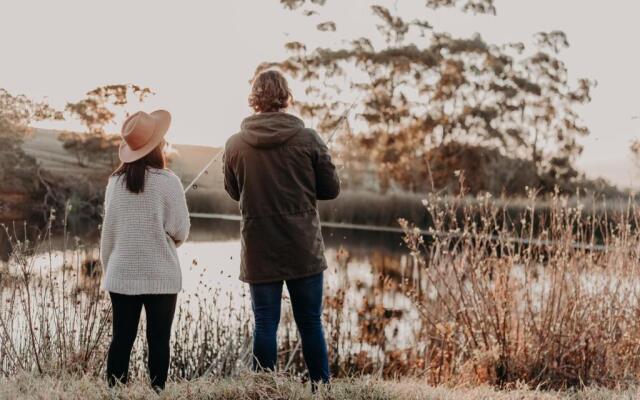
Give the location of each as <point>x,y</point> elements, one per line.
<point>141,133</point>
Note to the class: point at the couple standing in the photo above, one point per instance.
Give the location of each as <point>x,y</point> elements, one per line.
<point>277,170</point>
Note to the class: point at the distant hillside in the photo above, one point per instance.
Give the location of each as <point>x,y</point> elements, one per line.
<point>186,161</point>
<point>190,159</point>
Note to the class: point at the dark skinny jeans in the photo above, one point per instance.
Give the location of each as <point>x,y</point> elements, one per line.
<point>159,309</point>
<point>306,302</point>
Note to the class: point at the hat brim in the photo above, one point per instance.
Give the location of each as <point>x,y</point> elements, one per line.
<point>128,155</point>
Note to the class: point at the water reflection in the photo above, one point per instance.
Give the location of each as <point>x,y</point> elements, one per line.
<point>365,272</point>
<point>368,267</point>
<point>365,309</point>
<point>372,323</point>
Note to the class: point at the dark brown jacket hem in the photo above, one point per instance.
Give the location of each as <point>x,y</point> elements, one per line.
<point>284,278</point>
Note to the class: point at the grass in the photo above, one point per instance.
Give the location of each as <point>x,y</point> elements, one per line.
<point>552,315</point>
<point>482,309</point>
<point>353,206</point>
<point>274,387</point>
<point>368,208</point>
<point>55,318</point>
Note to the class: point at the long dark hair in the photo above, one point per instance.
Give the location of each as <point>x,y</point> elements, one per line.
<point>135,172</point>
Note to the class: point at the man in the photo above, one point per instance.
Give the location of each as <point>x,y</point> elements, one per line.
<point>277,169</point>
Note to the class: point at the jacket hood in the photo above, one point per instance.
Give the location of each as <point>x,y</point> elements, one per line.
<point>270,129</point>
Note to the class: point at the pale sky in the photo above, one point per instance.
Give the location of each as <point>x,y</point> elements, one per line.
<point>199,55</point>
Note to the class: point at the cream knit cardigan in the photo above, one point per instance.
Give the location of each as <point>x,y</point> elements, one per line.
<point>140,234</point>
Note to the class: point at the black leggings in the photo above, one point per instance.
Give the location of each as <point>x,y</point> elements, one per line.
<point>159,309</point>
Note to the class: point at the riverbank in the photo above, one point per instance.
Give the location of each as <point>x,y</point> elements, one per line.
<point>273,387</point>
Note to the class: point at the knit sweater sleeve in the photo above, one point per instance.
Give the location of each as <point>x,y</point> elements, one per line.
<point>107,232</point>
<point>176,213</point>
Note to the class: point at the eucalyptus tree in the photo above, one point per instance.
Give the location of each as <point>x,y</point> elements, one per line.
<point>17,169</point>
<point>420,89</point>
<point>96,111</point>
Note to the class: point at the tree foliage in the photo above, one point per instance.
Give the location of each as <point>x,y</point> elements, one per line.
<point>635,146</point>
<point>91,147</point>
<point>22,184</point>
<point>423,89</point>
<point>17,169</point>
<point>477,6</point>
<point>21,174</point>
<point>97,110</point>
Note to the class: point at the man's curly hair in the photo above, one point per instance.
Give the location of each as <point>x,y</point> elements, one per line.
<point>270,92</point>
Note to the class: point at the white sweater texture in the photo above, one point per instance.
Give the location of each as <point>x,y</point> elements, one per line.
<point>140,234</point>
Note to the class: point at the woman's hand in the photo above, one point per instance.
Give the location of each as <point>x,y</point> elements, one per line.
<point>174,240</point>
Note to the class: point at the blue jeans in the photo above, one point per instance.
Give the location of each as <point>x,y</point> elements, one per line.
<point>306,302</point>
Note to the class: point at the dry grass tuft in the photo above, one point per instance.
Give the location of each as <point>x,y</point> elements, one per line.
<point>550,298</point>
<point>274,387</point>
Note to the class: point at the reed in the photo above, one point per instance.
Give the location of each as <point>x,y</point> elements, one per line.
<point>358,207</point>
<point>552,314</point>
<point>55,319</point>
<point>468,304</point>
<point>377,209</point>
<point>51,319</point>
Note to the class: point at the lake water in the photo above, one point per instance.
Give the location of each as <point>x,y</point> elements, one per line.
<point>367,266</point>
<point>360,262</point>
<point>370,317</point>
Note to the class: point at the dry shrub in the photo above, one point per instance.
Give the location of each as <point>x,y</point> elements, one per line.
<point>546,297</point>
<point>55,319</point>
<point>51,320</point>
<point>551,300</point>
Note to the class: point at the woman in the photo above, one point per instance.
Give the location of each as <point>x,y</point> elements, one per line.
<point>277,169</point>
<point>145,220</point>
